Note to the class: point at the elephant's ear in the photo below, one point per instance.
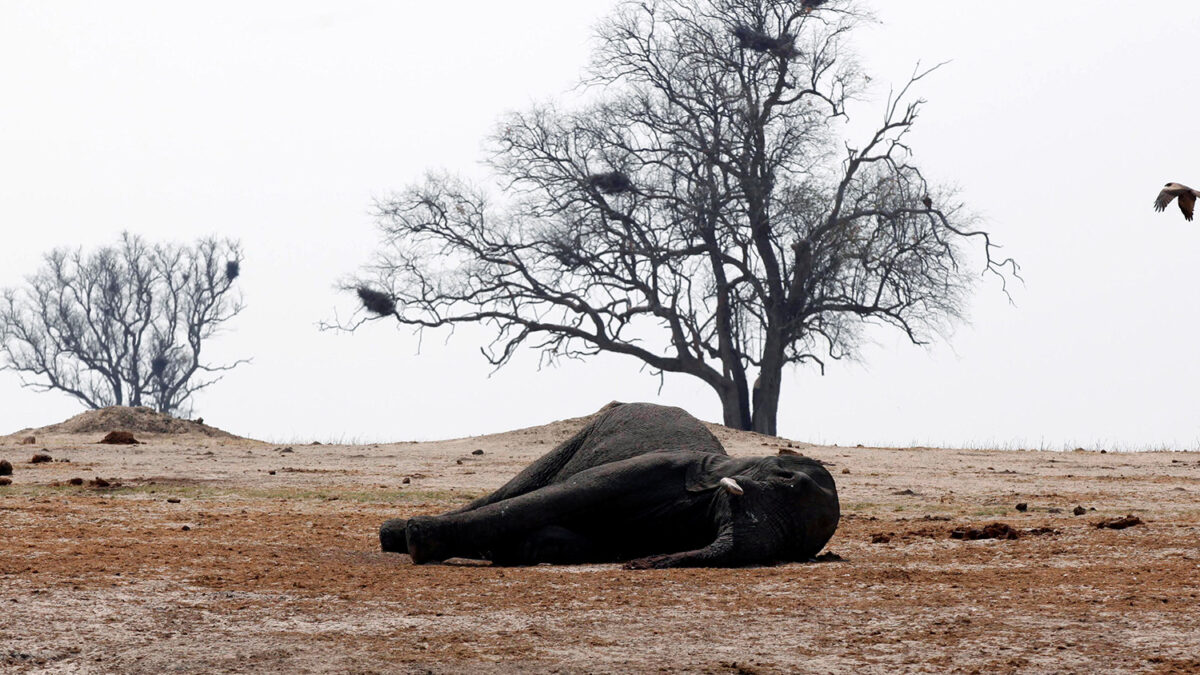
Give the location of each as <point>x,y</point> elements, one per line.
<point>707,473</point>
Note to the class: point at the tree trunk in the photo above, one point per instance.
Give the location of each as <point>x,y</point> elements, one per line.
<point>735,407</point>
<point>767,386</point>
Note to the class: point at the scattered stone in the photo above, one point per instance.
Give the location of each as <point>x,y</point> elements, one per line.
<point>906,492</point>
<point>1053,509</point>
<point>1104,452</point>
<point>119,438</point>
<point>5,480</point>
<point>28,440</point>
<point>200,420</point>
<point>5,467</point>
<point>406,480</point>
<point>1119,523</point>
<point>99,482</point>
<point>478,451</point>
<point>75,481</point>
<point>880,538</point>
<point>186,528</point>
<point>172,500</point>
<point>845,470</point>
<point>458,461</point>
<point>316,443</point>
<point>828,556</point>
<point>271,473</point>
<point>1079,510</point>
<point>1036,531</point>
<point>286,450</point>
<point>992,531</point>
<point>1022,507</point>
<point>40,458</point>
<point>859,445</point>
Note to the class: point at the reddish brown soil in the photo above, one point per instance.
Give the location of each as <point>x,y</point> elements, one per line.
<point>254,572</point>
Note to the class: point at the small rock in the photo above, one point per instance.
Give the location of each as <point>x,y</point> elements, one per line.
<point>1104,452</point>
<point>199,420</point>
<point>477,452</point>
<point>119,438</point>
<point>1079,510</point>
<point>406,481</point>
<point>458,461</point>
<point>271,473</point>
<point>40,458</point>
<point>1022,507</point>
<point>880,538</point>
<point>5,467</point>
<point>906,492</point>
<point>1053,509</point>
<point>316,443</point>
<point>98,482</point>
<point>28,440</point>
<point>172,500</point>
<point>75,481</point>
<point>286,450</point>
<point>185,528</point>
<point>5,480</point>
<point>845,470</point>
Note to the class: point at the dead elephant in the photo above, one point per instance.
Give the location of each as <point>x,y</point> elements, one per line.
<point>644,484</point>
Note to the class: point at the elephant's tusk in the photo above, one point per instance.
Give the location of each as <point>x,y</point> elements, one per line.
<point>732,487</point>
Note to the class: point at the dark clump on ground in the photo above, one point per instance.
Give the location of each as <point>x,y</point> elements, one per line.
<point>1079,510</point>
<point>5,467</point>
<point>1119,523</point>
<point>75,481</point>
<point>880,538</point>
<point>99,482</point>
<point>1022,507</point>
<point>119,438</point>
<point>992,531</point>
<point>5,480</point>
<point>40,458</point>
<point>28,440</point>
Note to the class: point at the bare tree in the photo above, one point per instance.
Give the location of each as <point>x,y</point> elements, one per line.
<point>125,324</point>
<point>699,212</point>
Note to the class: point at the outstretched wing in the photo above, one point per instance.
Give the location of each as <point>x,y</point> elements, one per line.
<point>1187,204</point>
<point>1164,198</point>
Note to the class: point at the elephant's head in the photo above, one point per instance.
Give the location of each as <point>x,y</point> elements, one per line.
<point>780,509</point>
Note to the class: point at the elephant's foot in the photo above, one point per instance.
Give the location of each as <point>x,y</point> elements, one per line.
<point>393,537</point>
<point>653,562</point>
<point>423,544</point>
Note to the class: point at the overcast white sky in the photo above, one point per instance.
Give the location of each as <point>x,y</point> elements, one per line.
<point>278,122</point>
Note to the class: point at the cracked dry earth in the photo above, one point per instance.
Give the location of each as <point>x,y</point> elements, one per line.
<point>200,559</point>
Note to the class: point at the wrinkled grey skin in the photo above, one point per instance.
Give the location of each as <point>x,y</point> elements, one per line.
<point>640,484</point>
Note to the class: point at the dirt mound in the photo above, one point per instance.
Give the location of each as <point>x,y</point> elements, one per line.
<point>135,420</point>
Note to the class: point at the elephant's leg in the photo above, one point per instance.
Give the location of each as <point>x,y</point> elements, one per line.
<point>501,526</point>
<point>392,536</point>
<point>551,544</point>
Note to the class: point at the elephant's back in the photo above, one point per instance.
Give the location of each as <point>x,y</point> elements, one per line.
<point>634,429</point>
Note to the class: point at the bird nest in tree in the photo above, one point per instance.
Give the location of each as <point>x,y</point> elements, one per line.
<point>611,183</point>
<point>783,46</point>
<point>376,302</point>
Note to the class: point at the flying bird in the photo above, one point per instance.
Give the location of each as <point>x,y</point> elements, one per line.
<point>1187,198</point>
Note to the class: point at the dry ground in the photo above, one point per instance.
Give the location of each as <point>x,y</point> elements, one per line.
<point>219,554</point>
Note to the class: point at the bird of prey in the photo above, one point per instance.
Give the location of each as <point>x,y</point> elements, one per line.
<point>1187,198</point>
<point>927,201</point>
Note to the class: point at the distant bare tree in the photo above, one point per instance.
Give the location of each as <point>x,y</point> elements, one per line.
<point>123,325</point>
<point>700,212</point>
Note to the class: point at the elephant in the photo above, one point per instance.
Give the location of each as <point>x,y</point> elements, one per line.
<point>643,484</point>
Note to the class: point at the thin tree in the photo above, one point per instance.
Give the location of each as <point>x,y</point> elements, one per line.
<point>124,324</point>
<point>699,211</point>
